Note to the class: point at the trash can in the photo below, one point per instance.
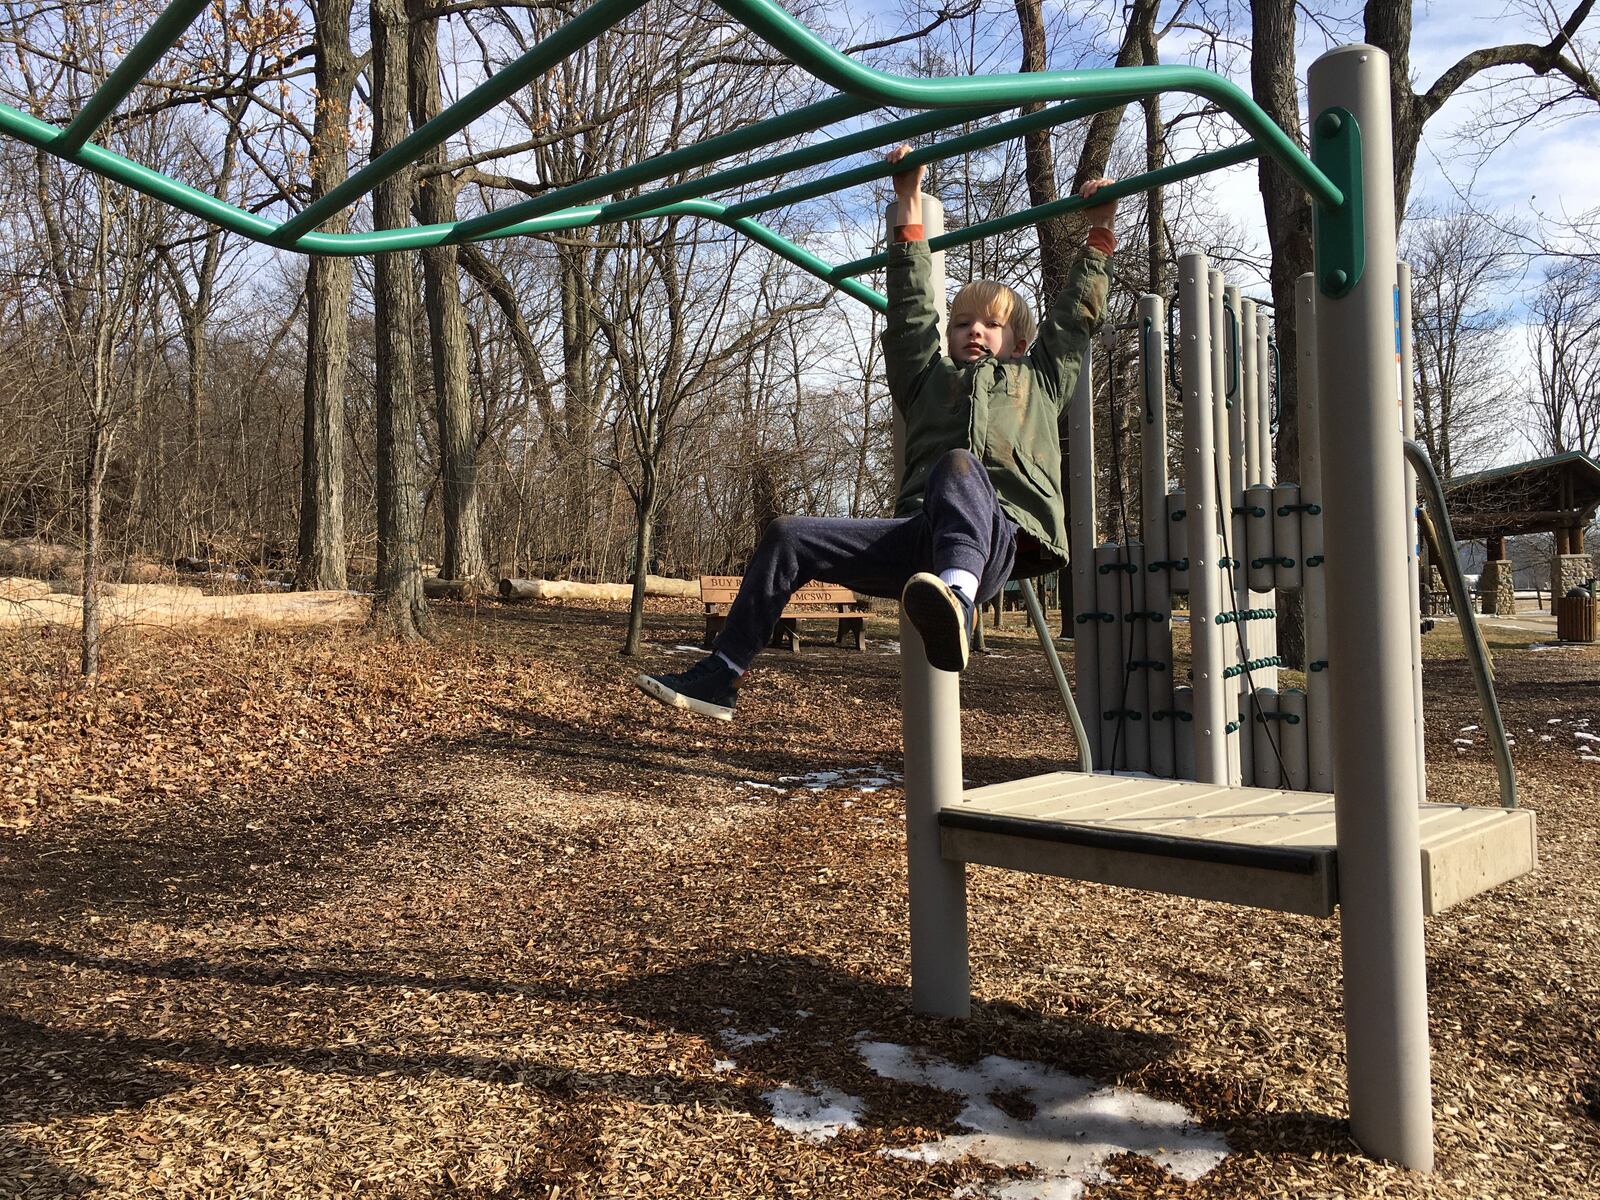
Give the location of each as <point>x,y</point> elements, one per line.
<point>1575,616</point>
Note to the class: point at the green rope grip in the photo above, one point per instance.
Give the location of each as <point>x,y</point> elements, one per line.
<point>1314,560</point>
<point>1249,510</point>
<point>1147,664</point>
<point>1281,560</point>
<point>1231,727</point>
<point>1179,514</point>
<point>1320,665</point>
<point>1258,614</point>
<point>1169,564</point>
<point>1287,717</point>
<point>1255,664</point>
<point>1085,617</point>
<point>1132,714</point>
<point>1225,561</point>
<point>1177,714</point>
<point>1107,568</point>
<point>1285,509</point>
<point>1226,618</point>
<point>1148,614</point>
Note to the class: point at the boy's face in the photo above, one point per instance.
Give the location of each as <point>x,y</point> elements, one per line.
<point>974,334</point>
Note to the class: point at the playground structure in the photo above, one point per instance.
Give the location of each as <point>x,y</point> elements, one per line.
<point>1362,848</point>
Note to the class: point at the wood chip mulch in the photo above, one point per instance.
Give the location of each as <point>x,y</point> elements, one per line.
<point>311,915</point>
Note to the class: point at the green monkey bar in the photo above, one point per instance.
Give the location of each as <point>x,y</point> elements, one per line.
<point>861,90</point>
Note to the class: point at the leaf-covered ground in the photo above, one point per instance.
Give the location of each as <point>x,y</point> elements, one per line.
<point>303,915</point>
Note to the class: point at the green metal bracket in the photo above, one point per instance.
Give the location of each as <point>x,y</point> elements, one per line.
<point>1340,231</point>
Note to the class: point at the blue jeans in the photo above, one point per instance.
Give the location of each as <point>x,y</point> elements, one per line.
<point>960,527</point>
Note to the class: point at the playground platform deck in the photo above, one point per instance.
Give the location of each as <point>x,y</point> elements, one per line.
<point>1263,847</point>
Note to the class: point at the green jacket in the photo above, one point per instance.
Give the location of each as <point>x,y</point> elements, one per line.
<point>1005,412</point>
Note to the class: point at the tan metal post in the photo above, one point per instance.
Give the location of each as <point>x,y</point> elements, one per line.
<point>1154,526</point>
<point>1369,644</point>
<point>1319,741</point>
<point>931,718</point>
<point>1201,515</point>
<point>1082,539</point>
<point>1408,425</point>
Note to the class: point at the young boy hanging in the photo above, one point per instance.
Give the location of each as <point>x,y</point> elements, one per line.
<point>980,498</point>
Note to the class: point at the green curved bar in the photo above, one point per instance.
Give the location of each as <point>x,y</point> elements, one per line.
<point>806,49</point>
<point>862,90</point>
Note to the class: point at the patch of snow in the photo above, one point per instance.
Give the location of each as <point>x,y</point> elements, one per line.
<point>1553,721</point>
<point>735,1040</point>
<point>1469,729</point>
<point>817,1113</point>
<point>1545,737</point>
<point>1075,1128</point>
<point>861,779</point>
<point>700,650</point>
<point>889,647</point>
<point>1463,741</point>
<point>1536,646</point>
<point>723,1065</point>
<point>1586,737</point>
<point>764,787</point>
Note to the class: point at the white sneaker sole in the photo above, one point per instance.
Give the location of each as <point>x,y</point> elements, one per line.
<point>934,611</point>
<point>657,690</point>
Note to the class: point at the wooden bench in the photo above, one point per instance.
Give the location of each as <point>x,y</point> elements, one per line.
<point>815,600</point>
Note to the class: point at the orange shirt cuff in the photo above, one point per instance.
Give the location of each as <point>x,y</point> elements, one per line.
<point>1103,240</point>
<point>909,233</point>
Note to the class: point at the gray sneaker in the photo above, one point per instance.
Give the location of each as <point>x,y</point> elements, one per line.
<point>944,617</point>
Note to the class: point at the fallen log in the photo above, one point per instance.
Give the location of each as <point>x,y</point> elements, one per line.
<point>566,589</point>
<point>14,587</point>
<point>172,607</point>
<point>435,588</point>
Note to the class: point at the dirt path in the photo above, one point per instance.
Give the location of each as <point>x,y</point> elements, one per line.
<point>477,920</point>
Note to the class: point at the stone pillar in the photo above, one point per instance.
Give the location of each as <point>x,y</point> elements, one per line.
<point>1497,586</point>
<point>1570,571</point>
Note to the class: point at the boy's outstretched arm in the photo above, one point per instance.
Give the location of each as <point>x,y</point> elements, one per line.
<point>911,334</point>
<point>1077,310</point>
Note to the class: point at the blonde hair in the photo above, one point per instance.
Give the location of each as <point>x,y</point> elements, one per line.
<point>985,298</point>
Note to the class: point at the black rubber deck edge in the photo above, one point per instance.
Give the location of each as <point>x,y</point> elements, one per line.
<point>1289,859</point>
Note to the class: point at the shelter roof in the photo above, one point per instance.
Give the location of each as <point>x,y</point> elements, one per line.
<point>1537,496</point>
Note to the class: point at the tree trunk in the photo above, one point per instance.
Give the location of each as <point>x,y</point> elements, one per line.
<point>463,556</point>
<point>1288,213</point>
<point>94,472</point>
<point>328,288</point>
<point>645,509</point>
<point>398,607</point>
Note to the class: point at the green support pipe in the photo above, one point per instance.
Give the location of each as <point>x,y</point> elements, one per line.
<point>807,50</point>
<point>763,133</point>
<point>1243,152</point>
<point>164,31</point>
<point>979,139</point>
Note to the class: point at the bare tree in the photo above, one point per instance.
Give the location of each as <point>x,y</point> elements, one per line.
<point>447,322</point>
<point>398,606</point>
<point>1461,266</point>
<point>329,281</point>
<point>1552,62</point>
<point>1566,353</point>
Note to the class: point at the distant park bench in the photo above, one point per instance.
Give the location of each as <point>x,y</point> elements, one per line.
<point>815,601</point>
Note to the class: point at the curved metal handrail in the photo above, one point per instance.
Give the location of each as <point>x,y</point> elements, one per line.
<point>1471,635</point>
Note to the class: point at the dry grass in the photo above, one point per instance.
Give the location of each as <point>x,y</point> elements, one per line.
<point>299,914</point>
